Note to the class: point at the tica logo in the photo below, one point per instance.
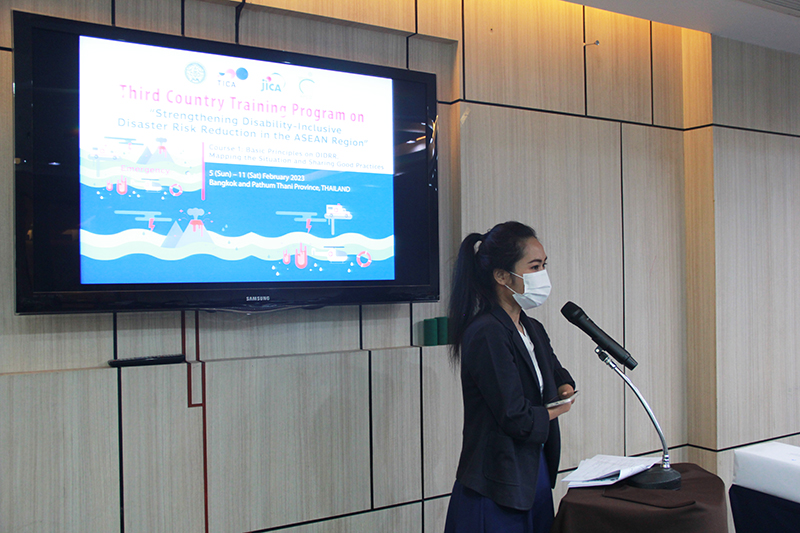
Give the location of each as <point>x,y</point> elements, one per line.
<point>229,77</point>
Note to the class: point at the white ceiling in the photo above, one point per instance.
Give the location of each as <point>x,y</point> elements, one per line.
<point>734,19</point>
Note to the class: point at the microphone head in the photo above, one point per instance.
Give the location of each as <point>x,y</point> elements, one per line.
<point>572,312</point>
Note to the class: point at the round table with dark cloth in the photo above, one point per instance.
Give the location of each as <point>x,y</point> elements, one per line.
<point>699,506</point>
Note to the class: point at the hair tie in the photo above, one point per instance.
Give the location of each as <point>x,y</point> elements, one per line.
<point>479,240</point>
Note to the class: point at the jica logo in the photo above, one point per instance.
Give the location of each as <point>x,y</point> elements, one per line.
<point>273,83</point>
<point>230,77</point>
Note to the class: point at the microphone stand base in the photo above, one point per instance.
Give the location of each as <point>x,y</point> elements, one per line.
<point>656,477</point>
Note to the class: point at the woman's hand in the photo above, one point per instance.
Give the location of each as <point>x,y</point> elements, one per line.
<point>559,410</point>
<point>565,391</point>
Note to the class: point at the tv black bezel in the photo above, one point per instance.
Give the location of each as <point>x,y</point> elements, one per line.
<point>250,297</point>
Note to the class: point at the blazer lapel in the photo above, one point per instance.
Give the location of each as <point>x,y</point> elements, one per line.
<point>540,350</point>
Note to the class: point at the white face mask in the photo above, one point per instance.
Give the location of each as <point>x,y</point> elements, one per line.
<point>537,289</point>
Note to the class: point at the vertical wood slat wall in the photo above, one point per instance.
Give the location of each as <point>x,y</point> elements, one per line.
<point>271,429</point>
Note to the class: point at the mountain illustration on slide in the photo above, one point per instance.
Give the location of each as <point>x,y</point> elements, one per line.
<point>196,232</point>
<point>161,155</point>
<point>145,157</point>
<point>173,237</point>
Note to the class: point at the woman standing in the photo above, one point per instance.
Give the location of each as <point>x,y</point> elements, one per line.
<point>511,442</point>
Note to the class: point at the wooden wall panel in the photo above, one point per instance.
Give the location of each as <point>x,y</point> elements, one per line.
<point>87,10</point>
<point>440,18</point>
<point>443,58</point>
<point>562,176</point>
<point>524,53</point>
<point>297,331</point>
<point>59,452</point>
<point>449,218</point>
<point>385,326</point>
<point>435,514</point>
<point>394,520</point>
<point>268,29</point>
<point>701,311</point>
<point>667,44</point>
<point>150,15</point>
<point>396,426</point>
<point>618,75</point>
<point>35,343</point>
<point>148,334</point>
<point>162,451</point>
<point>655,281</point>
<point>387,14</point>
<point>755,87</point>
<point>758,294</point>
<point>442,421</point>
<point>698,105</point>
<point>288,439</point>
<point>210,20</point>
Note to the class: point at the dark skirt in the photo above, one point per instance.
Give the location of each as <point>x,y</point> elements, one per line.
<point>469,512</point>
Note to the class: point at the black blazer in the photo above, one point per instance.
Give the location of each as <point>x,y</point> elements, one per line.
<point>506,425</point>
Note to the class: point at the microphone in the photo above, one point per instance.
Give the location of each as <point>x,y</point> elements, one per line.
<point>575,314</point>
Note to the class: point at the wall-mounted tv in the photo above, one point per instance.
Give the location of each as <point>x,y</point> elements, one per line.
<point>162,172</point>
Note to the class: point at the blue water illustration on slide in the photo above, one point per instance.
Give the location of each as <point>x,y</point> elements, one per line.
<point>236,223</point>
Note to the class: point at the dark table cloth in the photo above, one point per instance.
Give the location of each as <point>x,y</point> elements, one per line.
<point>699,506</point>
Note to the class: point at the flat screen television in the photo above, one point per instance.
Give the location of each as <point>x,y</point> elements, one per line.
<point>161,172</point>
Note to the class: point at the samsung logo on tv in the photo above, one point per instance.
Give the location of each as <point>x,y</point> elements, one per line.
<point>257,298</point>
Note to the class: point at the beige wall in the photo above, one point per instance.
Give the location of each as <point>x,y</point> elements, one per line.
<point>671,226</point>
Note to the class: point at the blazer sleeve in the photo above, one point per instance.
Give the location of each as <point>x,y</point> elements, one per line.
<point>488,358</point>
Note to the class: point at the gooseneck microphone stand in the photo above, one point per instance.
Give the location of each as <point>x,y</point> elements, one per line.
<point>656,477</point>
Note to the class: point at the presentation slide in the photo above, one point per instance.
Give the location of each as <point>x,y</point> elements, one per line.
<point>197,167</point>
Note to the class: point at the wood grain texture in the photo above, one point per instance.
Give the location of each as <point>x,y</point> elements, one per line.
<point>526,54</point>
<point>36,343</point>
<point>87,10</point>
<point>269,29</point>
<point>758,300</point>
<point>755,87</point>
<point>190,335</point>
<point>655,281</point>
<point>698,96</point>
<point>288,439</point>
<point>701,289</point>
<point>385,326</point>
<point>667,43</point>
<point>442,420</point>
<point>442,58</point>
<point>618,77</point>
<point>280,31</point>
<point>297,331</point>
<point>148,334</point>
<point>396,426</point>
<point>210,20</point>
<point>440,18</point>
<point>562,176</point>
<point>397,519</point>
<point>59,452</point>
<point>150,15</point>
<point>449,218</point>
<point>396,15</point>
<point>435,513</point>
<point>162,452</point>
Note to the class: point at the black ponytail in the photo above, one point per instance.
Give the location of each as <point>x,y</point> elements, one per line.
<point>473,288</point>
